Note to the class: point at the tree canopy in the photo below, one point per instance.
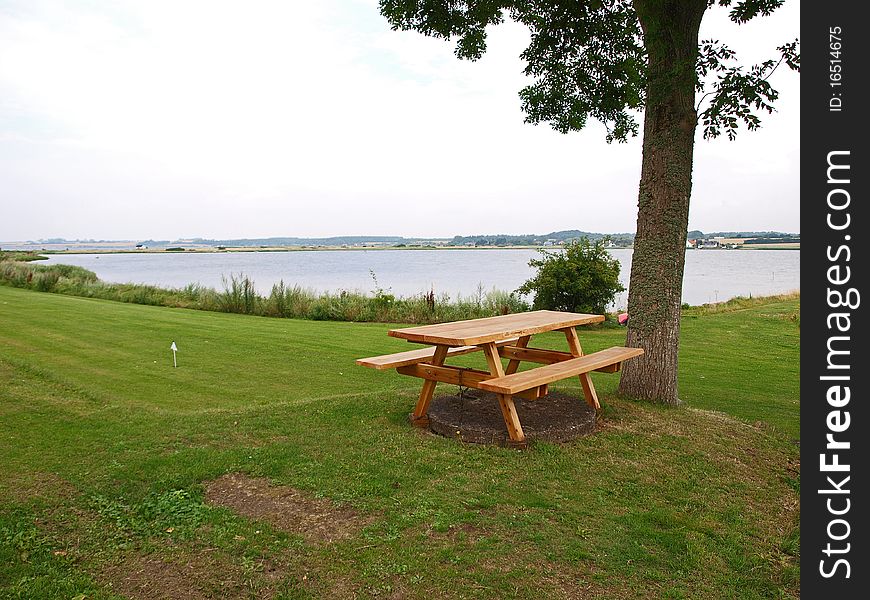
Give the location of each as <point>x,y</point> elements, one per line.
<point>589,59</point>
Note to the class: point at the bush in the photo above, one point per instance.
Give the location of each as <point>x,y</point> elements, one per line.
<point>583,278</point>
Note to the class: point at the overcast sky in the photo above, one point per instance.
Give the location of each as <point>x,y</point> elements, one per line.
<point>217,119</point>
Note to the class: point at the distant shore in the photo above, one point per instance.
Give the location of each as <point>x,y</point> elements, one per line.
<point>228,249</point>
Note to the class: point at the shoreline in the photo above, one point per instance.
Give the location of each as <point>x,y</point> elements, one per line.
<point>238,249</point>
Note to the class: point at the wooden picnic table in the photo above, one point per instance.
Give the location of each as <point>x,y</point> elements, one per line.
<point>505,336</point>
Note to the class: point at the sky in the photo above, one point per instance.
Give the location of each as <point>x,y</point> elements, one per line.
<point>155,119</point>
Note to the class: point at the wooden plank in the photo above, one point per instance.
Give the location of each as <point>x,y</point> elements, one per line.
<point>514,364</point>
<point>419,418</point>
<point>446,374</point>
<point>511,420</point>
<point>496,370</point>
<point>478,331</point>
<point>589,392</point>
<point>573,342</point>
<point>545,357</point>
<point>412,357</point>
<point>470,378</point>
<point>493,360</point>
<point>481,331</point>
<point>511,384</point>
<point>535,355</point>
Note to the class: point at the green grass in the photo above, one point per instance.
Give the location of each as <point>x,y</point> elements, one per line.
<point>20,255</point>
<point>105,449</point>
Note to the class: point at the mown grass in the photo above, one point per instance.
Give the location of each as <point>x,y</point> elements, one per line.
<point>239,295</point>
<point>105,449</point>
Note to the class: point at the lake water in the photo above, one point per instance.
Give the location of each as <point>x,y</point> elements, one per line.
<point>710,275</point>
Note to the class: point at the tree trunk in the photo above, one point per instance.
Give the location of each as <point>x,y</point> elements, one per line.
<point>670,29</point>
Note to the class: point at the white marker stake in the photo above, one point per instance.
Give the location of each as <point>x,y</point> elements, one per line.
<point>174,349</point>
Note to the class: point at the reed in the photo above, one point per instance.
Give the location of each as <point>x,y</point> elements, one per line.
<point>239,295</point>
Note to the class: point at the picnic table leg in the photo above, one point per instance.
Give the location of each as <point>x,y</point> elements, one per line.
<point>513,365</point>
<point>506,401</point>
<point>511,420</point>
<point>585,380</point>
<point>419,418</point>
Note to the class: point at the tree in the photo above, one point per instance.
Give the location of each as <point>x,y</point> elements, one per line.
<point>584,278</point>
<point>609,59</point>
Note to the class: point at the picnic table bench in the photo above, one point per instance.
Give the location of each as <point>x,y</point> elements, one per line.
<point>505,336</point>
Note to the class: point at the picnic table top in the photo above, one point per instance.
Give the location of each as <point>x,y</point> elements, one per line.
<point>493,329</point>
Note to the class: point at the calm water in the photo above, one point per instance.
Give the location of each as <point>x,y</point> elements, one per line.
<point>711,275</point>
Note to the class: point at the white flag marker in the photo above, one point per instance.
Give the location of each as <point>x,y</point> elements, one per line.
<point>174,349</point>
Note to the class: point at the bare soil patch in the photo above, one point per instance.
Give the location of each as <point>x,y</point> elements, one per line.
<point>475,416</point>
<point>43,485</point>
<point>284,507</point>
<point>177,572</point>
<point>194,574</point>
<point>189,577</point>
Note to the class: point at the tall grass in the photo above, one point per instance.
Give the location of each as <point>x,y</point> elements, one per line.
<point>21,255</point>
<point>239,295</point>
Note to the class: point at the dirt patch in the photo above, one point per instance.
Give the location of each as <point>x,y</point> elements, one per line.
<point>207,574</point>
<point>284,508</point>
<point>171,570</point>
<point>24,487</point>
<point>475,417</point>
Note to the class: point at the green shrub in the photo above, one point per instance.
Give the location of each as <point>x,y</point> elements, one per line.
<point>583,278</point>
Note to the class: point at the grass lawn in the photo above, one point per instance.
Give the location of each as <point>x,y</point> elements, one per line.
<point>114,478</point>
